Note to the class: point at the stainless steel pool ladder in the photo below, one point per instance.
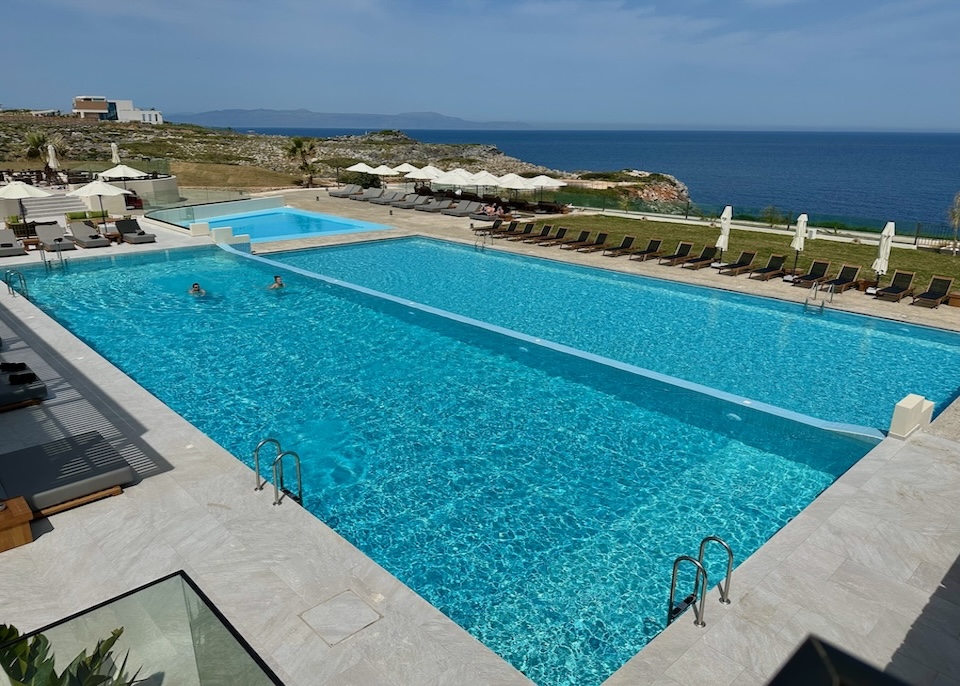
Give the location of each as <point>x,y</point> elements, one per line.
<point>48,264</point>
<point>13,278</point>
<point>697,598</point>
<point>279,490</point>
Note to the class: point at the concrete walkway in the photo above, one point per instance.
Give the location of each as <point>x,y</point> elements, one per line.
<point>871,565</point>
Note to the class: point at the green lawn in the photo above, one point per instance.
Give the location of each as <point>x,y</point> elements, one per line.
<point>925,263</point>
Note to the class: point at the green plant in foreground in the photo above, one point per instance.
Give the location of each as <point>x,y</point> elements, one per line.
<point>29,663</point>
<point>954,214</point>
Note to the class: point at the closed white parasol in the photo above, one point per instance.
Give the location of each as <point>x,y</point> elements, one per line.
<point>882,263</point>
<point>723,241</point>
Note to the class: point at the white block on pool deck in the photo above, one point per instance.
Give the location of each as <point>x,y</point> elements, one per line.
<point>908,415</point>
<point>200,229</point>
<point>926,412</point>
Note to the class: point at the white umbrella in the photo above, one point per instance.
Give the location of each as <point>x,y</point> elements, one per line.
<point>361,167</point>
<point>122,171</point>
<point>384,170</point>
<point>882,262</point>
<point>723,242</point>
<point>455,177</point>
<point>52,157</point>
<point>543,181</point>
<point>114,153</point>
<point>98,188</point>
<point>424,174</point>
<point>799,236</point>
<point>18,190</point>
<point>405,167</point>
<point>484,178</point>
<point>515,182</point>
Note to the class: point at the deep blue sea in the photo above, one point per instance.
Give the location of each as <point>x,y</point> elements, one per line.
<point>879,177</point>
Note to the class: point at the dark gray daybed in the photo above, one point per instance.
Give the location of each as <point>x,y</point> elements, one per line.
<point>18,389</point>
<point>130,232</point>
<point>64,473</point>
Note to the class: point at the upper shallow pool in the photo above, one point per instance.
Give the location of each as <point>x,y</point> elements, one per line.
<point>831,365</point>
<point>287,223</point>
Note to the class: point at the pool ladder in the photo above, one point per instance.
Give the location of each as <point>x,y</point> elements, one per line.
<point>279,491</point>
<point>697,598</point>
<point>15,279</point>
<point>50,264</point>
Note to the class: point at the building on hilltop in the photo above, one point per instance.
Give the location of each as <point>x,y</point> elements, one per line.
<point>99,107</point>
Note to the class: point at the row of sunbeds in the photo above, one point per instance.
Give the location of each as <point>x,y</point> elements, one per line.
<point>901,285</point>
<point>53,237</point>
<point>451,207</point>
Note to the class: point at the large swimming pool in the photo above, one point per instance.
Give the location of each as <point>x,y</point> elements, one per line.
<point>286,223</point>
<point>536,497</point>
<point>831,365</point>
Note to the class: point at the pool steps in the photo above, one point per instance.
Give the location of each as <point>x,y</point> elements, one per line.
<point>674,610</point>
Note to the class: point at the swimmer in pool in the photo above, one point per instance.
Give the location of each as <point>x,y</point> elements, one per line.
<point>196,290</point>
<point>277,283</point>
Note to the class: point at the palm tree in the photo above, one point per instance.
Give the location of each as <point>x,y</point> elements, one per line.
<point>954,213</point>
<point>36,145</point>
<point>302,151</point>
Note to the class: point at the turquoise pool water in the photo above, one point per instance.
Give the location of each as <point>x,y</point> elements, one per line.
<point>287,223</point>
<point>538,500</point>
<point>834,366</point>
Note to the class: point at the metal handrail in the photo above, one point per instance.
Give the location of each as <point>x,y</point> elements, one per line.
<point>725,587</point>
<point>256,460</point>
<point>691,600</point>
<point>8,278</point>
<point>278,478</point>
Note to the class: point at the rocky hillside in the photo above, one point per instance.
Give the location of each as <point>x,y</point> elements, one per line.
<point>85,140</point>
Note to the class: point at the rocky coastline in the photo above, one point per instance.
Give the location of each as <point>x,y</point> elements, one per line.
<point>89,141</point>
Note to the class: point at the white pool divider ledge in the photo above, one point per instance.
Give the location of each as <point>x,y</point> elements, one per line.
<point>910,414</point>
<point>854,431</point>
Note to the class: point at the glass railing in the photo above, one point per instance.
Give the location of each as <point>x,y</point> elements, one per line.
<point>186,215</point>
<point>166,632</point>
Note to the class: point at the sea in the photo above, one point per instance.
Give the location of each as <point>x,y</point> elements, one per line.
<point>859,178</point>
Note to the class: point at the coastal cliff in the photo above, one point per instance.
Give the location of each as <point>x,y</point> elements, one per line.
<point>190,145</point>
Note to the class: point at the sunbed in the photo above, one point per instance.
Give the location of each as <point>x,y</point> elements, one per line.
<point>510,228</point>
<point>704,259</point>
<point>53,238</point>
<point>901,285</point>
<point>413,202</point>
<point>367,195</point>
<point>486,230</point>
<point>87,235</point>
<point>626,245</point>
<point>773,269</point>
<point>600,243</point>
<point>582,239</point>
<point>741,265</point>
<point>526,232</point>
<point>463,209</point>
<point>817,273</point>
<point>346,191</point>
<point>388,198</point>
<point>130,232</point>
<point>557,237</point>
<point>64,473</point>
<point>847,278</point>
<point>937,292</point>
<point>652,250</point>
<point>682,252</point>
<point>9,245</point>
<point>19,387</point>
<point>537,237</point>
<point>435,205</point>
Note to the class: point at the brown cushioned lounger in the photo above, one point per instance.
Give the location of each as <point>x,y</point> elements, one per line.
<point>937,292</point>
<point>773,269</point>
<point>901,285</point>
<point>741,265</point>
<point>652,250</point>
<point>682,253</point>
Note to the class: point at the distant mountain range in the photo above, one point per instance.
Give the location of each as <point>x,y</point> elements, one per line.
<point>305,119</point>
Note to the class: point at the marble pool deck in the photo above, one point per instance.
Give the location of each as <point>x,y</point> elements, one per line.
<point>871,565</point>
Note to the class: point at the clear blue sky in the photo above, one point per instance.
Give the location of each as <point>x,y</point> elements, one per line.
<point>835,64</point>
